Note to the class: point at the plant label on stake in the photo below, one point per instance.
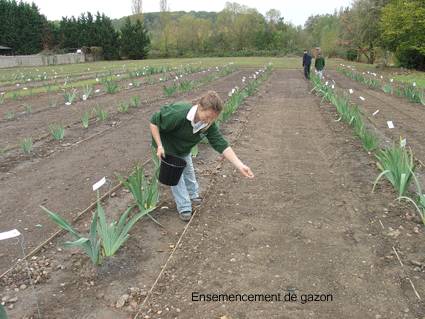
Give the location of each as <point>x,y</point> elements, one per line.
<point>376,112</point>
<point>361,98</point>
<point>99,184</point>
<point>9,234</point>
<point>403,142</point>
<point>390,124</point>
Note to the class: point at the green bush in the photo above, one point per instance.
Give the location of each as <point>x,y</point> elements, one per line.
<point>351,55</point>
<point>410,58</point>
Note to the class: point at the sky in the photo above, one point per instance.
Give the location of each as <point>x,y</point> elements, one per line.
<point>295,11</point>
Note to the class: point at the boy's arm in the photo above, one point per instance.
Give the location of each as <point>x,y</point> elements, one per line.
<point>230,155</point>
<point>217,141</point>
<point>157,138</point>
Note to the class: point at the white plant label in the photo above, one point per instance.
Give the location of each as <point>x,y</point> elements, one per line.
<point>403,142</point>
<point>99,184</point>
<point>9,234</point>
<point>376,112</point>
<point>390,124</point>
<point>361,98</point>
<point>351,91</point>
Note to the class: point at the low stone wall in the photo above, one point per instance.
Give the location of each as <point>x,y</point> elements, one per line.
<point>38,60</point>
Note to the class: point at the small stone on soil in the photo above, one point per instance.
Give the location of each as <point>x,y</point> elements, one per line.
<point>122,300</point>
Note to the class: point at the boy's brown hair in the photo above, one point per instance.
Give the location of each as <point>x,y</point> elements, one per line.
<point>211,100</point>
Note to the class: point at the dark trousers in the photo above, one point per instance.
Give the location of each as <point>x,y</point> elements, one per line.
<point>307,71</point>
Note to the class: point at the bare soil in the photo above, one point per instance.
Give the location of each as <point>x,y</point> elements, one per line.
<point>62,180</point>
<point>306,224</point>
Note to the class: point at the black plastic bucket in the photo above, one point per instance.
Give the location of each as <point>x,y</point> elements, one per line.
<point>171,170</point>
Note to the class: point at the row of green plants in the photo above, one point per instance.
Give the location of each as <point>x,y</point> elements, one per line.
<point>52,75</point>
<point>178,87</point>
<point>110,82</point>
<point>57,131</point>
<point>238,96</point>
<point>183,86</point>
<point>396,163</point>
<point>348,112</point>
<point>10,115</point>
<point>124,73</point>
<point>409,91</point>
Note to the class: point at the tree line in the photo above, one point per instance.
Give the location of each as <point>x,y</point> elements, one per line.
<point>372,29</point>
<point>26,31</point>
<point>367,30</point>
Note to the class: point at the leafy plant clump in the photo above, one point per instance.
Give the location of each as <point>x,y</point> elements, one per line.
<point>57,131</point>
<point>111,86</point>
<point>396,165</point>
<point>26,145</point>
<point>104,238</point>
<point>123,107</point>
<point>85,118</point>
<point>70,96</point>
<point>100,113</point>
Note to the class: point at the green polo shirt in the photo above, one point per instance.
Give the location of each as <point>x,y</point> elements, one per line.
<point>176,131</point>
<point>319,64</point>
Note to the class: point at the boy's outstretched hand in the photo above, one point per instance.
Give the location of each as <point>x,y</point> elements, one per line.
<point>246,171</point>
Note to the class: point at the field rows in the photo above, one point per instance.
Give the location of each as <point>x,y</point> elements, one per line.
<point>71,170</point>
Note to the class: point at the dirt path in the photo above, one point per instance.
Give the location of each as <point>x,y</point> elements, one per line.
<point>63,181</point>
<point>305,224</point>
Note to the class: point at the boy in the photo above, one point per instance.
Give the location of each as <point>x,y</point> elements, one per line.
<point>319,65</point>
<point>178,127</point>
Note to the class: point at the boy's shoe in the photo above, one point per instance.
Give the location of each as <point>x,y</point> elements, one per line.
<point>196,201</point>
<point>185,216</point>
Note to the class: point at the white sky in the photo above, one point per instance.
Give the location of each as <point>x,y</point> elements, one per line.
<point>295,11</point>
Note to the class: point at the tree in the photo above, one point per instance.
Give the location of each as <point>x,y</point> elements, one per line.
<point>135,42</point>
<point>136,7</point>
<point>402,25</point>
<point>165,21</point>
<point>86,31</point>
<point>163,6</point>
<point>21,27</point>
<point>361,26</point>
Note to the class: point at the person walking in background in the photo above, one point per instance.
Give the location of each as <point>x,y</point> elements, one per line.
<point>307,64</point>
<point>319,65</point>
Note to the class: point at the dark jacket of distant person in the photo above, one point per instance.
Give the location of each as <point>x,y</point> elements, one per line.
<point>306,59</point>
